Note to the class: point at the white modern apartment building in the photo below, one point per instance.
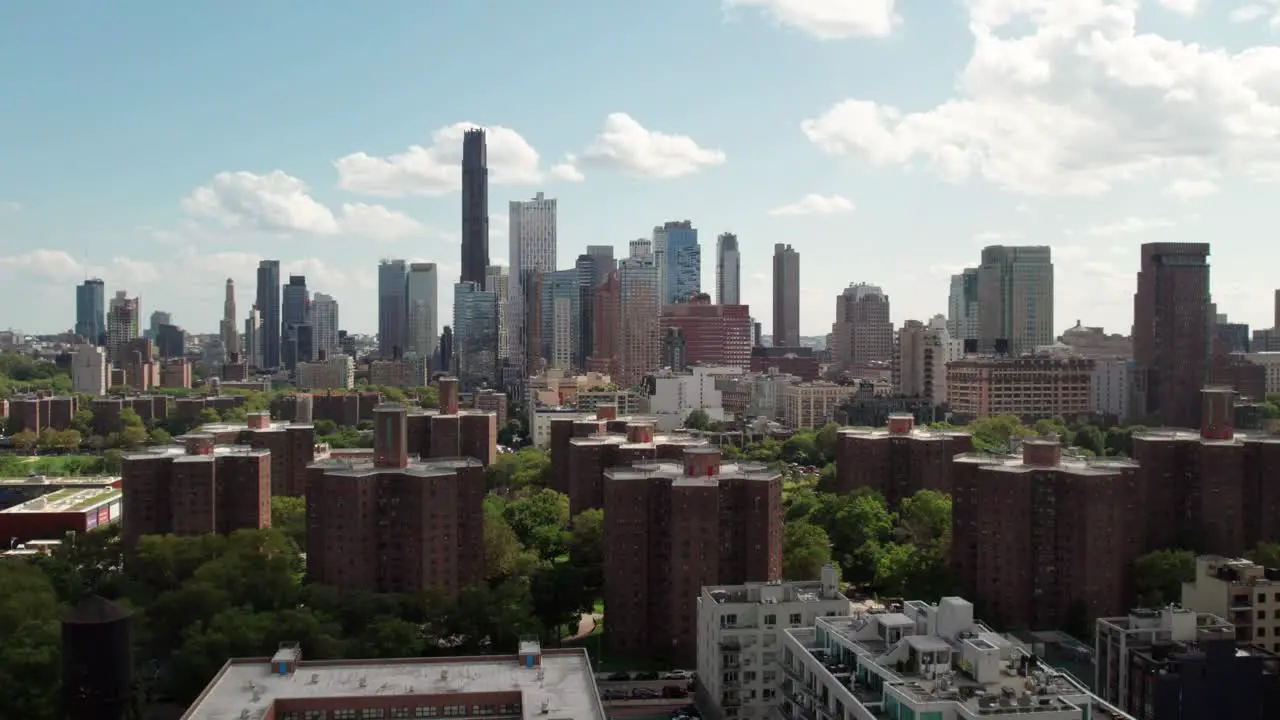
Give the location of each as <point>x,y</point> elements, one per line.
<point>324,323</point>
<point>1242,591</point>
<point>531,237</point>
<point>740,637</point>
<point>337,372</point>
<point>423,299</point>
<point>923,662</point>
<point>674,395</point>
<point>89,370</point>
<point>1111,384</point>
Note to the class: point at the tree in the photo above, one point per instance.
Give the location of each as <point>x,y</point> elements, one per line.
<point>912,571</point>
<point>539,520</point>
<point>133,436</point>
<point>924,519</point>
<point>857,523</point>
<point>501,546</point>
<point>805,550</point>
<point>29,655</point>
<point>1266,555</point>
<point>209,416</point>
<point>530,468</point>
<point>1159,575</point>
<point>112,462</point>
<point>993,433</point>
<point>83,422</point>
<point>289,515</point>
<point>586,548</point>
<point>47,439</point>
<point>1090,438</point>
<point>25,441</point>
<point>697,420</point>
<point>130,418</point>
<point>159,436</point>
<point>826,440</point>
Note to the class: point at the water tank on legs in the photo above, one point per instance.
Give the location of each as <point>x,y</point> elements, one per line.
<point>97,662</point>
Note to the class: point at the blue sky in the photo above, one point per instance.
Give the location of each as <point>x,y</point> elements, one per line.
<point>166,147</point>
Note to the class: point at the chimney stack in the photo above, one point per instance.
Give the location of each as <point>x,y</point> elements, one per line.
<point>1217,413</point>
<point>606,411</point>
<point>901,423</point>
<point>199,444</point>
<point>701,461</point>
<point>1042,451</point>
<point>390,436</point>
<point>449,396</point>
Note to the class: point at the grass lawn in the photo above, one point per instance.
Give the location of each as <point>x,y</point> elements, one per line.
<point>61,465</point>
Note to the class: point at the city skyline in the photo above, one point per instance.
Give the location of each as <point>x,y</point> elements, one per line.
<point>849,158</point>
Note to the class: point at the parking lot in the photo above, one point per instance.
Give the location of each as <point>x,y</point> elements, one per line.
<point>617,687</point>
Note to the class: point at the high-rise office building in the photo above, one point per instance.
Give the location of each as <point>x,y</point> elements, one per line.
<point>475,318</point>
<point>158,318</point>
<point>475,207</point>
<point>324,324</point>
<point>268,304</point>
<point>91,310</point>
<point>606,328</point>
<point>862,332</point>
<point>423,300</point>
<point>680,261</point>
<point>532,234</point>
<point>728,270</point>
<point>641,247</point>
<point>295,342</point>
<point>640,346</point>
<point>498,281</point>
<point>1173,316</point>
<point>962,305</point>
<point>786,296</point>
<point>561,318</point>
<point>253,338</point>
<point>227,331</point>
<point>122,322</point>
<point>393,323</point>
<point>1015,298</point>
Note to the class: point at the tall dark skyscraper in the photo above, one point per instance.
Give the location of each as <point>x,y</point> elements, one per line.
<point>91,311</point>
<point>475,207</point>
<point>268,302</point>
<point>295,327</point>
<point>393,320</point>
<point>1173,317</point>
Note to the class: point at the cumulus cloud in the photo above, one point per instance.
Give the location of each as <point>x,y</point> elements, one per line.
<point>1070,98</point>
<point>60,266</point>
<point>281,203</point>
<point>1182,7</point>
<point>1257,11</point>
<point>437,169</point>
<point>627,145</point>
<point>1129,226</point>
<point>828,19</point>
<point>814,204</point>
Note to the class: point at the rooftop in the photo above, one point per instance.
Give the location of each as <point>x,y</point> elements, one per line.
<point>1068,463</point>
<point>364,465</point>
<point>1188,435</point>
<point>176,452</point>
<point>56,481</point>
<point>916,433</point>
<point>804,591</point>
<point>564,683</point>
<point>675,471</point>
<point>68,500</point>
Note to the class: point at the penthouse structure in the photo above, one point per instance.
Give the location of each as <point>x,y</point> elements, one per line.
<point>675,527</point>
<point>1037,537</point>
<point>924,661</point>
<point>740,629</point>
<point>394,523</point>
<point>529,684</point>
<point>897,461</point>
<point>196,488</point>
<point>1214,485</point>
<point>1175,663</point>
<point>292,447</point>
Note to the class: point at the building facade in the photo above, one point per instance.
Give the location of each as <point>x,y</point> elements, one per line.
<point>423,299</point>
<point>268,306</point>
<point>862,333</point>
<point>532,238</point>
<point>475,207</point>
<point>325,324</point>
<point>1173,315</point>
<point>1015,299</point>
<point>1033,386</point>
<point>475,321</point>
<point>728,270</point>
<point>899,460</point>
<point>393,308</point>
<point>639,311</point>
<point>714,334</point>
<point>962,305</point>
<point>786,296</point>
<point>682,263</point>
<point>123,318</point>
<point>91,310</point>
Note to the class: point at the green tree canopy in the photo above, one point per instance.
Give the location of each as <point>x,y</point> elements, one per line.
<point>1159,576</point>
<point>805,550</point>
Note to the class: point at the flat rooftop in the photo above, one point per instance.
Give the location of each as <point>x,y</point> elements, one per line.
<point>1188,434</point>
<point>220,428</point>
<point>916,433</point>
<point>68,500</point>
<point>566,683</point>
<point>1068,463</point>
<point>364,465</point>
<point>803,591</point>
<point>675,472</point>
<point>60,481</point>
<point>180,451</point>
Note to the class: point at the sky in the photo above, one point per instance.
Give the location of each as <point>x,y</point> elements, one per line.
<point>166,147</point>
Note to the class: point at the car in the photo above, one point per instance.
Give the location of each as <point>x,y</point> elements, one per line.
<point>674,691</point>
<point>615,695</point>
<point>644,694</point>
<point>619,677</point>
<point>642,676</point>
<point>677,675</point>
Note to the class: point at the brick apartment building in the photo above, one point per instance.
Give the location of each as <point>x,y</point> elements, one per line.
<point>1213,490</point>
<point>899,460</point>
<point>345,409</point>
<point>197,488</point>
<point>672,528</point>
<point>392,523</point>
<point>36,412</point>
<point>1029,387</point>
<point>492,401</point>
<point>189,408</point>
<point>107,410</point>
<point>718,335</point>
<point>1040,540</point>
<point>292,446</point>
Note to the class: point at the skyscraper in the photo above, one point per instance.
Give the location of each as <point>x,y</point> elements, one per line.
<point>1173,316</point>
<point>122,322</point>
<point>607,327</point>
<point>91,310</point>
<point>227,330</point>
<point>423,298</point>
<point>862,332</point>
<point>475,207</point>
<point>962,305</point>
<point>475,313</point>
<point>532,233</point>
<point>268,304</point>
<point>680,261</point>
<point>786,296</point>
<point>498,281</point>
<point>728,270</point>
<point>253,338</point>
<point>324,324</point>
<point>638,291</point>
<point>297,338</point>
<point>561,318</point>
<point>1015,298</point>
<point>393,323</point>
<point>158,318</point>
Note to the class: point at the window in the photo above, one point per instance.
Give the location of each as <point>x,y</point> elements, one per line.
<point>1262,632</point>
<point>344,715</point>
<point>1262,614</point>
<point>401,712</point>
<point>313,715</point>
<point>770,619</point>
<point>727,621</point>
<point>425,711</point>
<point>795,618</point>
<point>373,714</point>
<point>288,715</point>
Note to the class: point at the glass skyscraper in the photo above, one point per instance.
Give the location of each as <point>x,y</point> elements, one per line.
<point>475,313</point>
<point>91,311</point>
<point>682,263</point>
<point>268,304</point>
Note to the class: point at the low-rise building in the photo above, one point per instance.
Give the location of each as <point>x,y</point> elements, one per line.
<point>740,629</point>
<point>673,396</point>
<point>409,373</point>
<point>928,662</point>
<point>813,404</point>
<point>1175,663</point>
<point>337,372</point>
<point>1241,591</point>
<point>52,516</point>
<point>1270,362</point>
<point>533,683</point>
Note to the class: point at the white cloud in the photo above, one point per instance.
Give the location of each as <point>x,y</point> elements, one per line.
<point>49,264</point>
<point>1252,12</point>
<point>437,170</point>
<point>829,19</point>
<point>814,204</point>
<point>1187,189</point>
<point>499,226</point>
<point>626,144</point>
<point>1182,7</point>
<point>1129,226</point>
<point>1069,98</point>
<point>280,203</point>
<point>567,170</point>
